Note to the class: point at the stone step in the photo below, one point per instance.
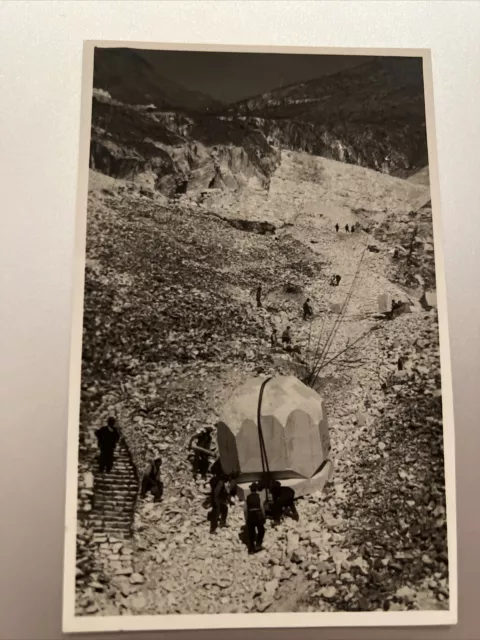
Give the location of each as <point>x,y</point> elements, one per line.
<point>100,510</point>
<point>111,504</point>
<point>112,513</point>
<point>114,472</point>
<point>111,508</point>
<point>115,532</point>
<point>126,499</point>
<point>122,523</point>
<point>114,502</point>
<point>114,497</point>
<point>116,478</point>
<point>123,484</point>
<point>119,464</point>
<point>110,522</point>
<point>121,489</point>
<point>125,481</point>
<point>113,517</point>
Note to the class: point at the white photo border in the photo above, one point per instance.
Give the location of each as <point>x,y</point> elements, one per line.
<point>77,624</point>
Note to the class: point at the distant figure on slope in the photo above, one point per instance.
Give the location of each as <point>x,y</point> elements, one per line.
<point>286,336</point>
<point>220,500</point>
<point>352,228</point>
<point>255,519</point>
<point>259,296</point>
<point>307,309</point>
<point>346,228</point>
<point>152,481</point>
<point>203,443</point>
<point>107,438</point>
<point>283,502</point>
<point>274,338</point>
<point>337,227</point>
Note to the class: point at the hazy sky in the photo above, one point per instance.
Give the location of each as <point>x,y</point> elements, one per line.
<point>233,76</point>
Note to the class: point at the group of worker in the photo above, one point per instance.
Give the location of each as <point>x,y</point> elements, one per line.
<point>261,502</point>
<point>348,228</point>
<point>223,487</point>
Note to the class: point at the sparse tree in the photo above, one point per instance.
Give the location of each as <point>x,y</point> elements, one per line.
<point>323,350</point>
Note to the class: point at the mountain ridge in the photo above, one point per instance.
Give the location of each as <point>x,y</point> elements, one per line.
<point>128,77</point>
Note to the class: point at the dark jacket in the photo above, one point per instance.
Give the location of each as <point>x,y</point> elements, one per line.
<point>254,508</point>
<point>153,471</point>
<point>202,439</point>
<point>107,438</point>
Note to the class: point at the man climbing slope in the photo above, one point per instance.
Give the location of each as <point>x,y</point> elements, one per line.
<point>152,481</point>
<point>107,438</point>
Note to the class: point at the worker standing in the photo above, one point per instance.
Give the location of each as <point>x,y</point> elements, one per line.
<point>259,296</point>
<point>255,519</point>
<point>307,309</point>
<point>203,441</point>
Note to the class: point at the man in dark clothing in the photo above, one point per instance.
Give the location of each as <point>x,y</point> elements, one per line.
<point>283,502</point>
<point>286,336</point>
<point>259,295</point>
<point>274,338</point>
<point>307,309</point>
<point>152,481</point>
<point>352,229</point>
<point>255,519</point>
<point>201,459</point>
<point>337,280</point>
<point>346,228</point>
<point>337,227</point>
<point>220,500</point>
<point>107,438</point>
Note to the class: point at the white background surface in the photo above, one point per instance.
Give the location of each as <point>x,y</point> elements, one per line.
<point>40,80</point>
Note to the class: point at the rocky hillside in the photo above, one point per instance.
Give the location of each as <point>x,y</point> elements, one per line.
<point>173,152</point>
<point>372,115</point>
<point>171,327</point>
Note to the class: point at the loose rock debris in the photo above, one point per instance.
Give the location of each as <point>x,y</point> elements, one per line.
<point>172,328</point>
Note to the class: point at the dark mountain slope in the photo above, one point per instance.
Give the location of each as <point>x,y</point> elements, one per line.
<point>129,78</point>
<point>372,115</point>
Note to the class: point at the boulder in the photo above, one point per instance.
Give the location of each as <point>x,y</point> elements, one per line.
<point>384,303</point>
<point>295,434</point>
<point>429,299</point>
<point>336,307</point>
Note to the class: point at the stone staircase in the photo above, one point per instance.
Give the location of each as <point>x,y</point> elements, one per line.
<point>115,495</point>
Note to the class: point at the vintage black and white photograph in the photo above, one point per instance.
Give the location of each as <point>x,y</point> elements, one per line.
<point>261,409</point>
